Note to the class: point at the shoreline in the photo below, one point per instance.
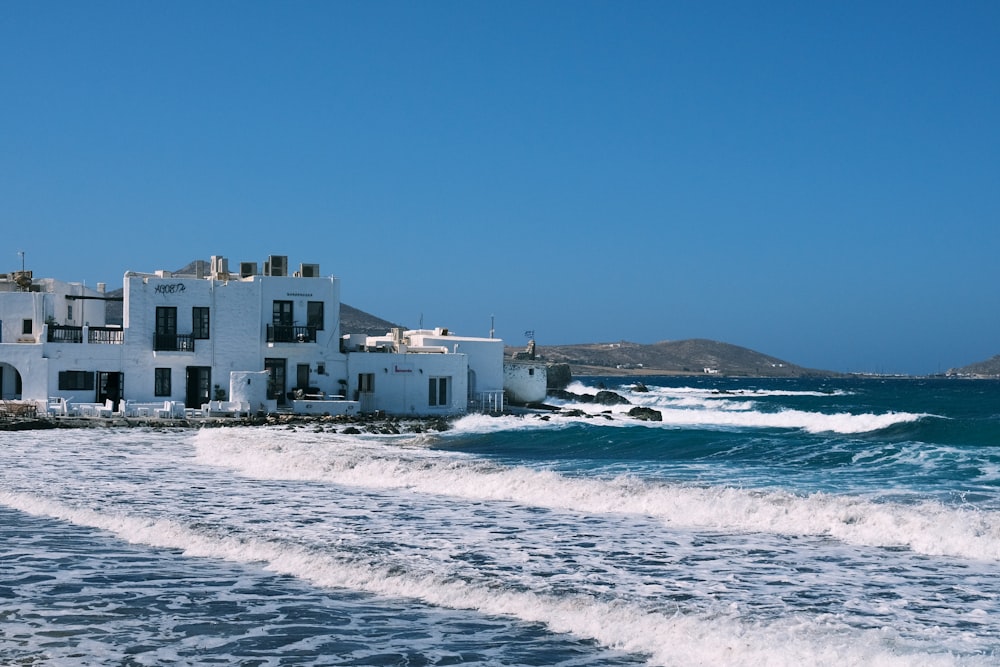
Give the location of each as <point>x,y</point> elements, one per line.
<point>379,424</point>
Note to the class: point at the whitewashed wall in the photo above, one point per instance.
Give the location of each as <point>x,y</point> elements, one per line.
<point>525,381</point>
<point>401,381</point>
<point>39,362</point>
<point>485,356</point>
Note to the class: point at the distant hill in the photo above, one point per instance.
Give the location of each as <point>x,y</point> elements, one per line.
<point>353,320</point>
<point>683,357</point>
<point>988,368</point>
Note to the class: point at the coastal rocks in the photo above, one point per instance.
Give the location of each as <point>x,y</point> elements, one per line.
<point>568,395</point>
<point>376,424</point>
<point>645,414</point>
<point>605,397</point>
<point>558,376</point>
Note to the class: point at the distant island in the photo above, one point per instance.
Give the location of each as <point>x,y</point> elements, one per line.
<point>982,369</point>
<point>681,357</point>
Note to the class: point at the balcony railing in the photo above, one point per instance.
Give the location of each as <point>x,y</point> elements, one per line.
<point>287,333</point>
<point>108,335</point>
<point>488,402</point>
<point>61,333</point>
<point>165,342</point>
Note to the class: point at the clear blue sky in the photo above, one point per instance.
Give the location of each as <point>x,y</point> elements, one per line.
<point>818,181</point>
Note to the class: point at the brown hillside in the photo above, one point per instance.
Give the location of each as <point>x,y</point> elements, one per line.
<point>671,357</point>
<point>988,368</point>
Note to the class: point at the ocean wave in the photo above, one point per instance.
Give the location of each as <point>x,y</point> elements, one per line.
<point>927,527</point>
<point>667,639</point>
<point>695,407</point>
<point>740,416</point>
<point>578,387</point>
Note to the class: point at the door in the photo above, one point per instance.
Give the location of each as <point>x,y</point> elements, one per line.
<point>110,386</point>
<point>366,392</point>
<point>166,328</point>
<point>302,377</point>
<point>276,379</point>
<point>198,386</point>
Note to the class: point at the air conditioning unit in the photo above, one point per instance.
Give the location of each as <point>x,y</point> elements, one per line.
<point>309,270</point>
<point>276,265</point>
<point>248,269</point>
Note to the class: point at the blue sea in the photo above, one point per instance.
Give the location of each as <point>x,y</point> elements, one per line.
<point>762,522</point>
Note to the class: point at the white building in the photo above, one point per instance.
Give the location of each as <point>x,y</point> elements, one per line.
<point>36,318</point>
<point>426,372</point>
<point>185,339</point>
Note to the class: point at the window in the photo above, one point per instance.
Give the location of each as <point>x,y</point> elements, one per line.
<point>199,322</point>
<point>437,392</point>
<point>166,328</point>
<point>281,314</point>
<point>161,383</point>
<point>69,312</point>
<point>76,380</point>
<point>314,314</point>
<point>27,327</point>
<point>166,320</point>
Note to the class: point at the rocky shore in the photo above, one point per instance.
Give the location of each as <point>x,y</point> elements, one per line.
<point>375,424</point>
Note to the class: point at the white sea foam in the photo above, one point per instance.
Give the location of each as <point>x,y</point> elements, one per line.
<point>928,527</point>
<point>668,639</point>
<point>578,387</point>
<point>731,415</point>
<point>706,408</point>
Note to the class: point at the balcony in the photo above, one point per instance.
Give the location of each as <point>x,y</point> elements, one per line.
<point>287,333</point>
<point>60,333</point>
<point>167,342</point>
<point>107,335</point>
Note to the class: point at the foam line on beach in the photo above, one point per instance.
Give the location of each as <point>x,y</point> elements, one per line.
<point>665,639</point>
<point>927,527</point>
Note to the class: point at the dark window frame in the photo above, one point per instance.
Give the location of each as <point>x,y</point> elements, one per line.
<point>201,323</point>
<point>76,380</point>
<point>283,313</point>
<point>162,382</point>
<point>314,314</point>
<point>437,392</point>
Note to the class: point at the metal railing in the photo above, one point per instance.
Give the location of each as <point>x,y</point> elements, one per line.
<point>289,333</point>
<point>107,335</point>
<point>163,342</point>
<point>62,333</point>
<point>487,402</point>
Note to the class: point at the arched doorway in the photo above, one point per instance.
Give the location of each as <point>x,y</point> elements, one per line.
<point>10,383</point>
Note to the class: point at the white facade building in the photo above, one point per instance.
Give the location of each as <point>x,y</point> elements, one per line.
<point>35,312</point>
<point>426,371</point>
<point>186,339</point>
